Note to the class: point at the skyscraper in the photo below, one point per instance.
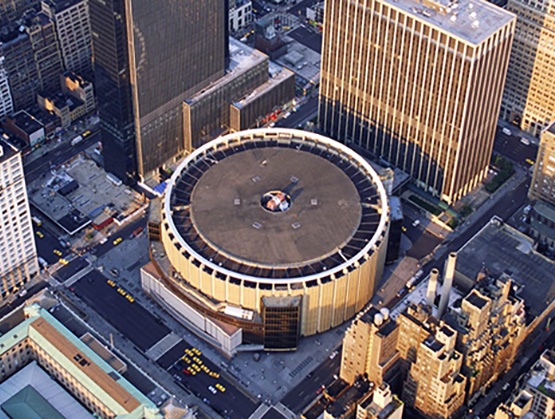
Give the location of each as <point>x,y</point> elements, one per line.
<point>113,87</point>
<point>528,100</point>
<point>18,254</point>
<point>543,182</point>
<point>418,84</point>
<point>6,104</point>
<point>176,49</point>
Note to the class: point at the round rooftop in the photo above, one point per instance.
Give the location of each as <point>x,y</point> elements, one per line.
<point>276,204</point>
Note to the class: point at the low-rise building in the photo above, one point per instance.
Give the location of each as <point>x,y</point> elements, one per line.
<point>25,127</point>
<point>240,14</point>
<point>43,343</point>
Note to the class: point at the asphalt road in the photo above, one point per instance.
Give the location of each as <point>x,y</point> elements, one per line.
<point>230,403</point>
<point>300,396</point>
<point>305,112</point>
<point>66,272</point>
<point>308,37</point>
<point>299,8</point>
<point>57,156</point>
<point>511,147</point>
<point>47,245</point>
<point>124,233</point>
<point>130,318</point>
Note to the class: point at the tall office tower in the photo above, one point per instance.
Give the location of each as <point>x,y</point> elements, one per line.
<point>176,49</point>
<point>18,254</point>
<point>71,18</point>
<point>20,65</point>
<point>417,83</point>
<point>491,324</point>
<point>113,87</point>
<point>434,385</point>
<point>11,10</point>
<point>529,96</point>
<point>369,347</point>
<point>542,187</point>
<point>42,34</point>
<point>6,104</point>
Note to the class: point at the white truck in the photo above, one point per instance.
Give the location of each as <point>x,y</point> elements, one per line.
<point>76,140</point>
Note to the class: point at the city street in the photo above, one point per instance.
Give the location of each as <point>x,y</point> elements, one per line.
<point>64,151</point>
<point>305,113</point>
<point>511,147</point>
<point>301,395</point>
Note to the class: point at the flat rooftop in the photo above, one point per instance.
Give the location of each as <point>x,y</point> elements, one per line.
<point>472,21</point>
<point>7,151</point>
<point>322,227</point>
<point>502,249</point>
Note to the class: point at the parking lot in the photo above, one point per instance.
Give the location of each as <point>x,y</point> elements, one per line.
<point>117,306</point>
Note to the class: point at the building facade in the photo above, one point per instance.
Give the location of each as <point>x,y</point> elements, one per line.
<point>74,32</point>
<point>418,84</point>
<point>542,187</point>
<point>18,254</point>
<point>528,100</point>
<point>113,87</point>
<point>47,57</point>
<point>369,347</point>
<point>240,14</point>
<point>20,65</point>
<point>6,104</point>
<point>176,50</point>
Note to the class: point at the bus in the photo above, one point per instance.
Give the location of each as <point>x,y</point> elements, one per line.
<point>37,221</point>
<point>76,140</point>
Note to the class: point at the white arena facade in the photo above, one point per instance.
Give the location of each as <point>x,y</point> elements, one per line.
<point>264,236</point>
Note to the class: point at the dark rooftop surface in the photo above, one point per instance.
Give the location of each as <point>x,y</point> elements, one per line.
<point>323,227</point>
<point>334,206</point>
<point>7,152</point>
<point>501,248</point>
<point>477,301</point>
<point>26,122</point>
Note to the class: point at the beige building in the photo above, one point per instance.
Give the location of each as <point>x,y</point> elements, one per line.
<point>380,404</point>
<point>519,408</point>
<point>417,83</point>
<point>267,265</point>
<point>369,347</point>
<point>18,253</point>
<point>491,324</point>
<point>529,96</point>
<point>541,384</point>
<point>543,182</point>
<point>434,385</point>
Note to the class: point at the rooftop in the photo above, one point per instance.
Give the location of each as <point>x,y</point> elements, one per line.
<point>472,21</point>
<point>79,361</point>
<point>502,249</point>
<point>276,205</point>
<point>26,122</point>
<point>7,151</point>
<point>474,299</point>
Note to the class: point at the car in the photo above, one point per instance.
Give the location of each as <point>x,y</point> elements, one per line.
<point>214,374</point>
<point>40,235</point>
<point>114,272</point>
<point>197,360</point>
<point>117,241</point>
<point>186,371</point>
<point>57,252</point>
<point>220,387</point>
<point>506,131</point>
<point>86,133</point>
<point>416,223</point>
<point>525,141</point>
<point>530,162</point>
<point>212,390</point>
<point>63,261</point>
<point>196,351</point>
<point>23,293</point>
<point>404,229</point>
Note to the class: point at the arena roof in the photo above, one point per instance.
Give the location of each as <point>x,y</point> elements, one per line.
<point>334,207</point>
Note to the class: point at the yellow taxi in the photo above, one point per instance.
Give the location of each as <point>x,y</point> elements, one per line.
<point>220,387</point>
<point>117,241</point>
<point>40,235</point>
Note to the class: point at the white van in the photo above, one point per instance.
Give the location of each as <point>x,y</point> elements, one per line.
<point>506,131</point>
<point>525,141</point>
<point>416,223</point>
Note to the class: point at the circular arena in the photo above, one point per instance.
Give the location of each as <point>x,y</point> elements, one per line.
<point>285,229</point>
